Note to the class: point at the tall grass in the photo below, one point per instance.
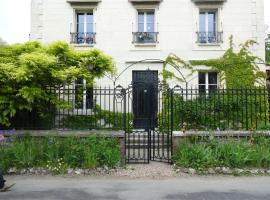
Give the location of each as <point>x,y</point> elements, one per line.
<point>74,152</point>
<point>203,153</point>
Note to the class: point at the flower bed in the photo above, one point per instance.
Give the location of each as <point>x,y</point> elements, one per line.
<point>58,154</point>
<point>203,153</point>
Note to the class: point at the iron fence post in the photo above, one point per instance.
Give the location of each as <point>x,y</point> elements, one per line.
<point>171,131</point>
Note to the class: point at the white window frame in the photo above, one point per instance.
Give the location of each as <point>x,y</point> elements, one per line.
<point>85,12</point>
<point>207,80</point>
<point>207,11</point>
<point>145,19</point>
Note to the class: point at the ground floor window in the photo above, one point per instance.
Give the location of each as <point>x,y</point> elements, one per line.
<point>207,81</point>
<point>83,95</point>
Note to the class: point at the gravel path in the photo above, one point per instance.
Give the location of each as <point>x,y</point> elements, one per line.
<point>153,170</point>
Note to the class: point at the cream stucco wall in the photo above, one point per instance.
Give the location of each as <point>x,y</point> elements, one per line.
<point>176,23</point>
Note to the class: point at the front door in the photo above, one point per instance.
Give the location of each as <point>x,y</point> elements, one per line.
<point>145,99</point>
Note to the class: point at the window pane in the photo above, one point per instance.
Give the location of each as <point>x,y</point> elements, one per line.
<point>140,17</point>
<point>79,81</point>
<point>89,23</point>
<point>212,88</point>
<point>212,78</point>
<point>89,98</point>
<point>141,27</point>
<point>202,89</point>
<point>202,78</point>
<point>202,24</point>
<point>211,22</point>
<point>140,22</point>
<point>80,22</point>
<point>150,18</point>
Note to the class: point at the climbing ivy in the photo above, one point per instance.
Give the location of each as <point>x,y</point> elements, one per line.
<point>237,68</point>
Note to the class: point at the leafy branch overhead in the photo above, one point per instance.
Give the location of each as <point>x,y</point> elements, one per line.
<point>236,69</point>
<point>28,70</point>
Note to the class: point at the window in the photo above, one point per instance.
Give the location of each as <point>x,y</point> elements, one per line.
<point>207,82</point>
<point>84,29</point>
<point>83,95</point>
<point>146,28</point>
<point>146,21</point>
<point>208,27</point>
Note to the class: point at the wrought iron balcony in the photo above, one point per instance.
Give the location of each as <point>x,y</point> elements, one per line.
<point>83,38</point>
<point>145,37</point>
<point>209,37</point>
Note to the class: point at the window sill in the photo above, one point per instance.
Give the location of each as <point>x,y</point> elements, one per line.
<point>83,45</point>
<point>209,44</point>
<point>145,44</point>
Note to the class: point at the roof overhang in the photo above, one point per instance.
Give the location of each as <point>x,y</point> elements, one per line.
<point>145,1</point>
<point>208,1</point>
<point>83,1</point>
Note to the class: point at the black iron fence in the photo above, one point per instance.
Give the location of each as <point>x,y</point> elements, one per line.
<point>187,109</point>
<point>220,109</point>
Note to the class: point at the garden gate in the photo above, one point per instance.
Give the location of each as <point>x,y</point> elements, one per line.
<point>148,117</point>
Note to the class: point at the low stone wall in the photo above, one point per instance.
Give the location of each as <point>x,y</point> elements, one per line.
<point>177,135</point>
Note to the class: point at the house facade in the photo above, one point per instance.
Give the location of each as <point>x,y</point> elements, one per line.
<point>140,34</point>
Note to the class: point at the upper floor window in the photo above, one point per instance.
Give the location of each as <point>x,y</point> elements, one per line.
<point>146,28</point>
<point>208,82</point>
<point>208,30</point>
<point>84,29</point>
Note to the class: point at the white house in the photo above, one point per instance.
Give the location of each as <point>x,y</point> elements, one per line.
<point>135,30</point>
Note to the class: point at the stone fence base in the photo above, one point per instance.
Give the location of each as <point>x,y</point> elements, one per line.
<point>120,135</point>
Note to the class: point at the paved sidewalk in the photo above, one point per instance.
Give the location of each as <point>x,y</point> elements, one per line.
<point>112,188</point>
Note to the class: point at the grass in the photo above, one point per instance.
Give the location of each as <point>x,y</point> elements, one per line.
<point>58,154</point>
<point>205,153</point>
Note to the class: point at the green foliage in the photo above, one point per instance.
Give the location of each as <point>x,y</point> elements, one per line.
<point>177,64</point>
<point>225,110</point>
<point>28,70</point>
<point>58,154</point>
<point>267,50</point>
<point>237,69</point>
<point>203,153</point>
<point>99,118</point>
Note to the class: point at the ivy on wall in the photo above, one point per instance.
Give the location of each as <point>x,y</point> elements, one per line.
<point>237,68</point>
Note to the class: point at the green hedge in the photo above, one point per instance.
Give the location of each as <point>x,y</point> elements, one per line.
<point>59,154</point>
<point>239,109</point>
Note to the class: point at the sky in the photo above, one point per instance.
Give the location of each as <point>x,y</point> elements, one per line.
<point>15,19</point>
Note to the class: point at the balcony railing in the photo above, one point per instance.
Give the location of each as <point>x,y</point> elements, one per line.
<point>209,37</point>
<point>83,38</point>
<point>145,37</point>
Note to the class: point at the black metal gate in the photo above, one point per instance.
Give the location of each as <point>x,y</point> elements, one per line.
<point>148,117</point>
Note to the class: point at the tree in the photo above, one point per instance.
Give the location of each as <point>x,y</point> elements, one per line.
<point>29,71</point>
